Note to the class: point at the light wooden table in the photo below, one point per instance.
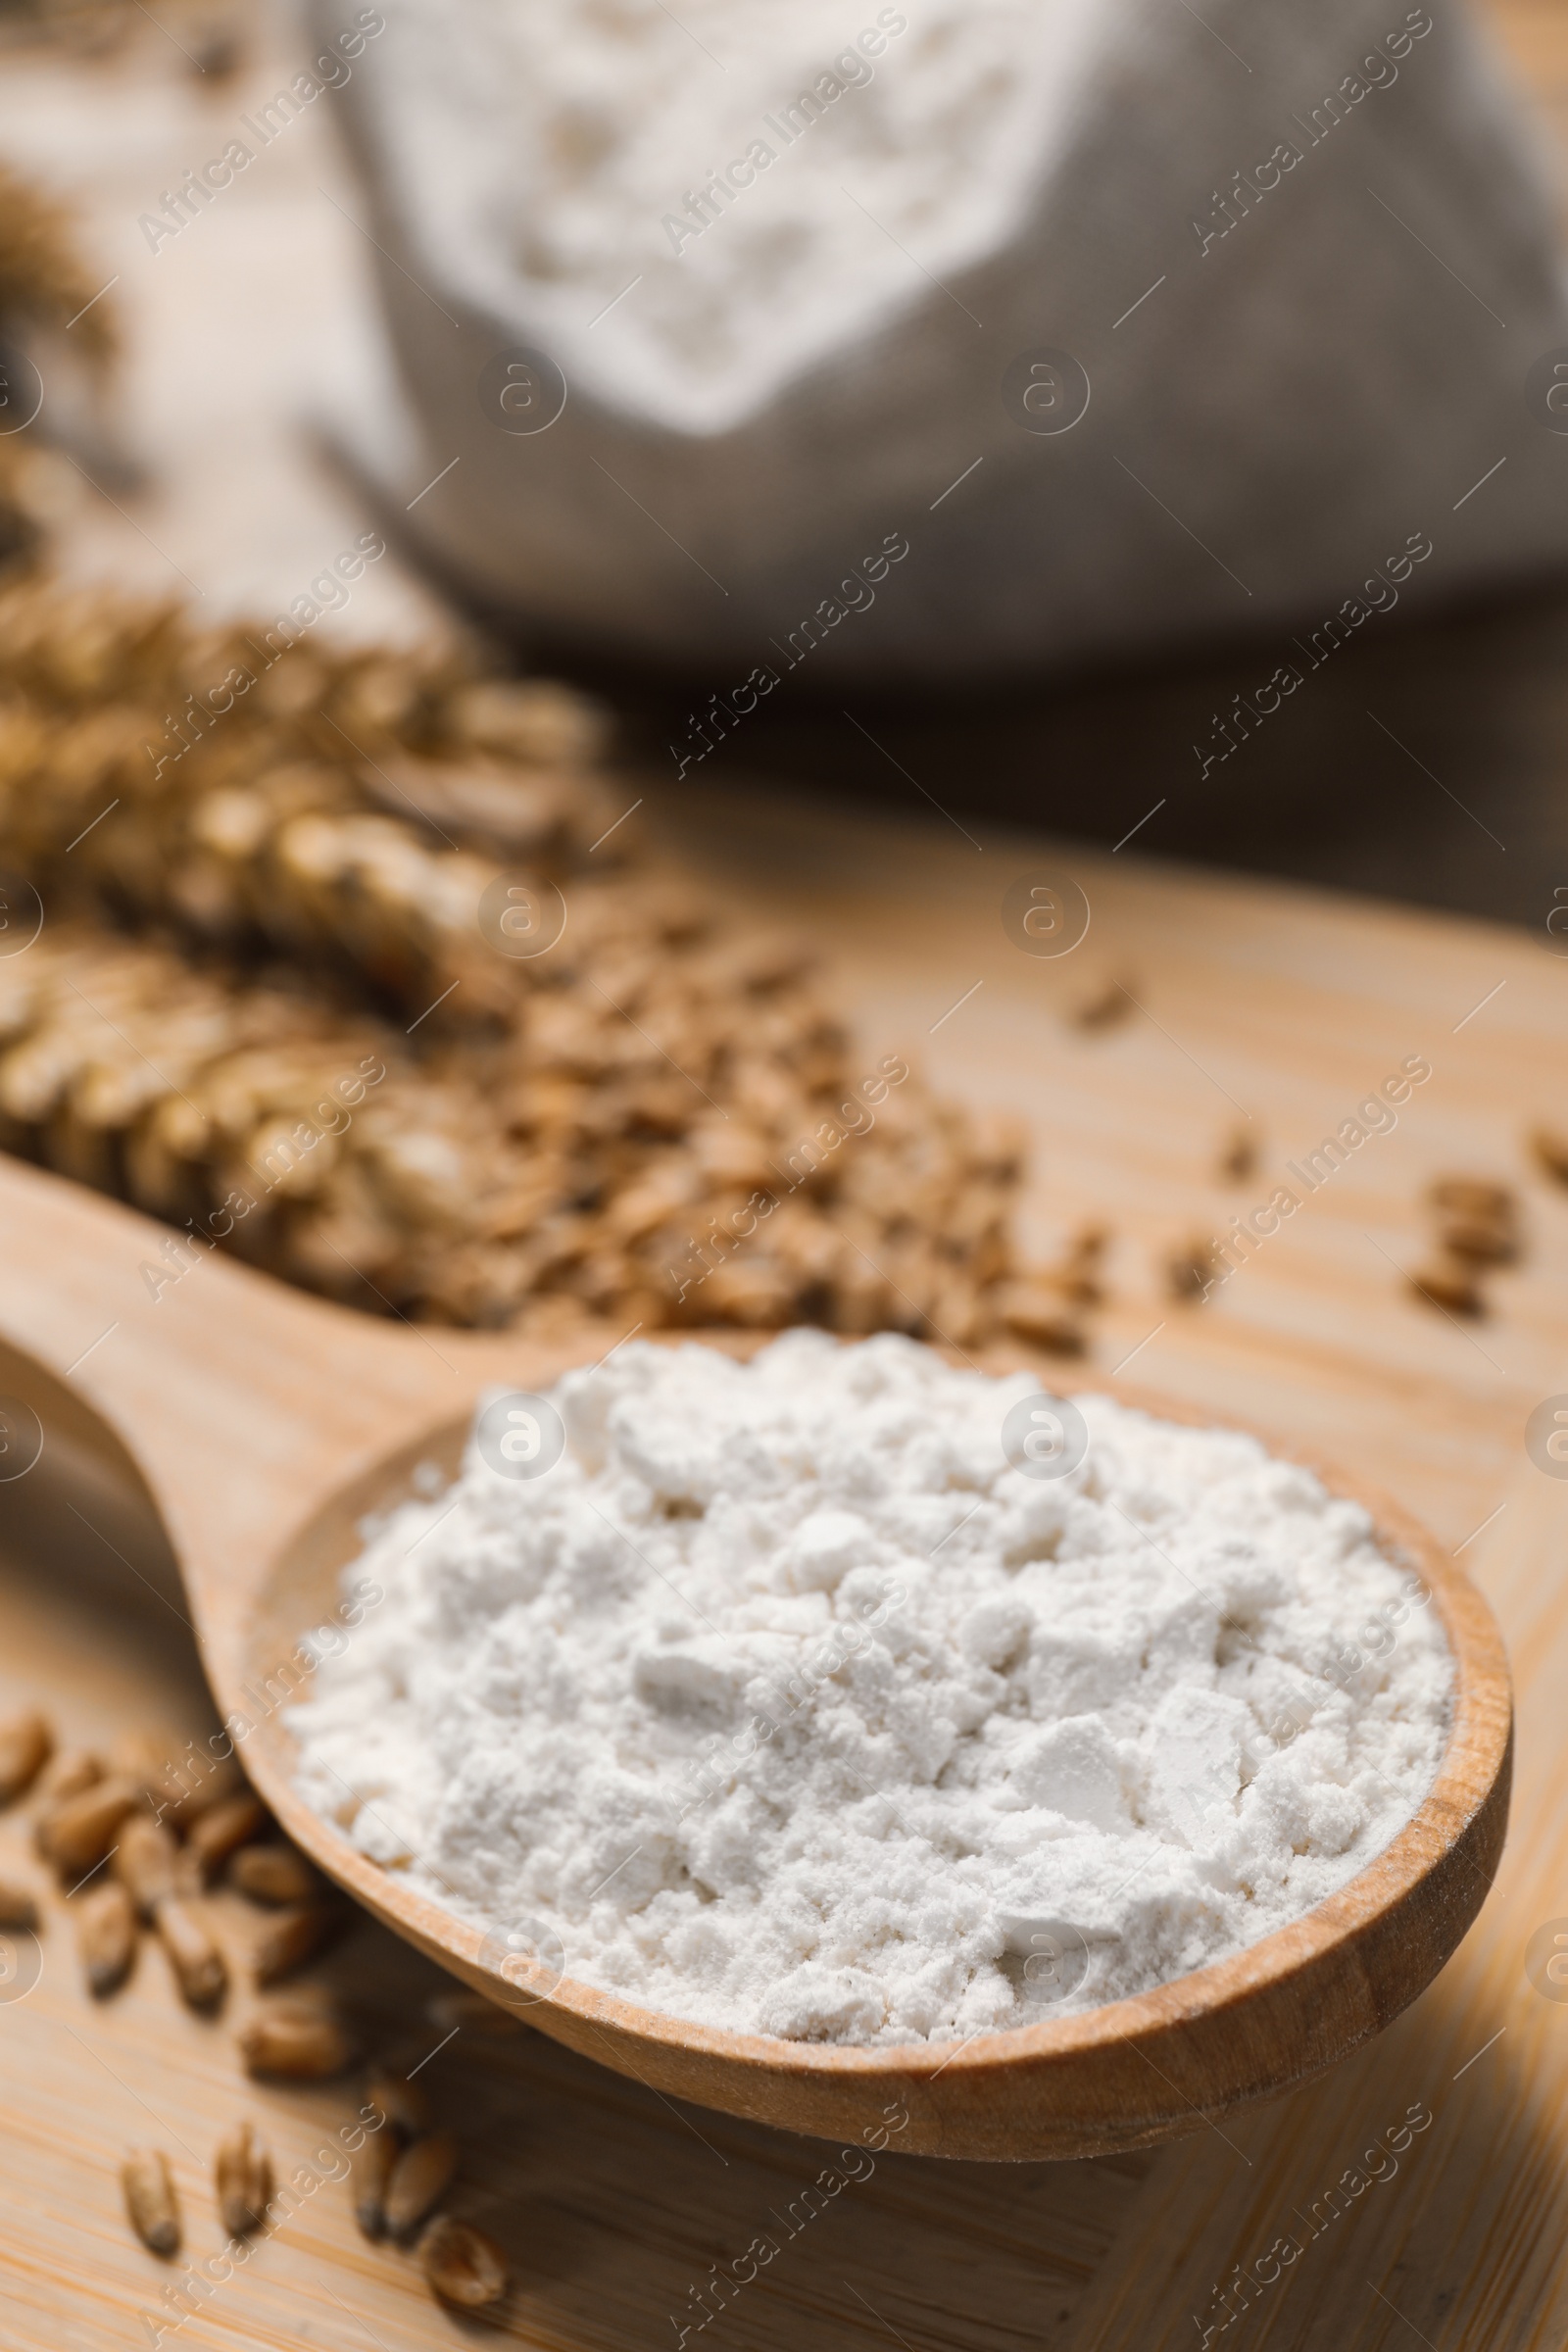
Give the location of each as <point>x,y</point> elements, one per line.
<point>1259,1002</point>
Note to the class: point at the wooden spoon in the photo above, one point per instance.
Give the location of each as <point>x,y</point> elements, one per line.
<point>265,1424</point>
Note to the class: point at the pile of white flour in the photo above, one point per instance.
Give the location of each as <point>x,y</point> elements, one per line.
<point>822,145</point>
<point>789,1707</point>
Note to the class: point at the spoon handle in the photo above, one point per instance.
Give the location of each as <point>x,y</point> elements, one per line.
<point>238,1403</point>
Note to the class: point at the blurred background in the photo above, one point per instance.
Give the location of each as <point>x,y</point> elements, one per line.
<point>1317,365</point>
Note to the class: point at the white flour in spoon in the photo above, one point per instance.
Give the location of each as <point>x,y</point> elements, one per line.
<point>787,1705</point>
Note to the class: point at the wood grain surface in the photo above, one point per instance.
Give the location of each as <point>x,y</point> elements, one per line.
<point>1280,1003</point>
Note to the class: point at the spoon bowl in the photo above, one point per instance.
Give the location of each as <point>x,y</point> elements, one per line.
<point>266,1426</point>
